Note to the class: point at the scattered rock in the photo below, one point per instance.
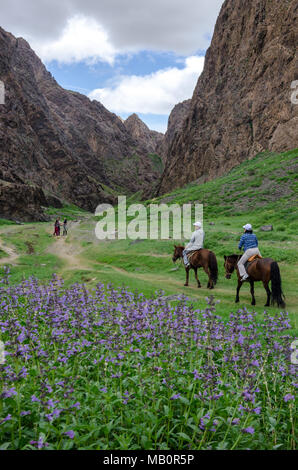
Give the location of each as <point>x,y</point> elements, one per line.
<point>138,240</point>
<point>266,228</point>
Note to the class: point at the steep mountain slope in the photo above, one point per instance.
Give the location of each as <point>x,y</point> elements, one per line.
<point>241,104</point>
<point>138,130</point>
<point>175,123</point>
<point>59,140</point>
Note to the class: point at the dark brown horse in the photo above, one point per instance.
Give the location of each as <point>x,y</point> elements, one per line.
<point>202,258</point>
<point>265,270</point>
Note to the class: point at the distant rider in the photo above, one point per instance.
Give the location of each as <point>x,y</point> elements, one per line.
<point>196,242</point>
<point>249,243</point>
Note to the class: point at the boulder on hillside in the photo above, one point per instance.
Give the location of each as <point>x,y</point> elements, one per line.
<point>266,228</point>
<point>22,202</point>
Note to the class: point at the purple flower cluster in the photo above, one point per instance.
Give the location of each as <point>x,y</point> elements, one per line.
<point>58,340</point>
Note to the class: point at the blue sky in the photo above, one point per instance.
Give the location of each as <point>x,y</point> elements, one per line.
<point>132,56</point>
<point>84,79</point>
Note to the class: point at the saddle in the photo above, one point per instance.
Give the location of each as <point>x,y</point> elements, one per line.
<point>191,253</point>
<point>251,259</point>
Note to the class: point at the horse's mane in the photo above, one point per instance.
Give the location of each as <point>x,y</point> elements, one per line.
<point>234,257</point>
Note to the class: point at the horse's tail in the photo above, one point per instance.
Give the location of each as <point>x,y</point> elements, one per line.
<point>212,262</point>
<point>277,293</point>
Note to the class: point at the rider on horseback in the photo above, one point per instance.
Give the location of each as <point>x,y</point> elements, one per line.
<point>249,243</point>
<point>196,242</point>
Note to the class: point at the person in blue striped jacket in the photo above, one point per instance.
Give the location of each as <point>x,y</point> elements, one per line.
<point>249,243</point>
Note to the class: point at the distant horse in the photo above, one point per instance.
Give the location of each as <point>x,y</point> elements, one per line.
<point>260,269</point>
<point>202,258</point>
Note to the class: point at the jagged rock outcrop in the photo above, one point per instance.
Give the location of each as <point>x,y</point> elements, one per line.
<point>59,140</point>
<point>149,139</point>
<point>175,123</point>
<point>22,202</point>
<point>241,104</point>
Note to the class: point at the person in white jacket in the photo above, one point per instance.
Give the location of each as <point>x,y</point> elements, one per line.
<point>196,242</point>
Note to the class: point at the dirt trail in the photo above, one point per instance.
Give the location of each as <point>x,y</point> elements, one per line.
<point>12,254</point>
<point>68,252</point>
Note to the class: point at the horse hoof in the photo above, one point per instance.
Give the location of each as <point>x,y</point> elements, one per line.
<point>199,287</point>
<point>185,285</point>
<point>266,305</point>
<point>236,301</point>
<point>253,303</point>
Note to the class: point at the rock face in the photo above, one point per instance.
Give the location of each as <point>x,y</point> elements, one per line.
<point>149,139</point>
<point>241,104</point>
<point>22,202</point>
<point>59,140</point>
<point>175,123</point>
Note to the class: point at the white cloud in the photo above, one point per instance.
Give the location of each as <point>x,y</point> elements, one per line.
<point>156,93</point>
<point>83,39</point>
<point>116,25</point>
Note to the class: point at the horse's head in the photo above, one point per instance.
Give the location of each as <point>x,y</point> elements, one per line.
<point>178,250</point>
<point>230,264</point>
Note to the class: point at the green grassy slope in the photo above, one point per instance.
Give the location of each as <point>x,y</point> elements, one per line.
<point>260,191</point>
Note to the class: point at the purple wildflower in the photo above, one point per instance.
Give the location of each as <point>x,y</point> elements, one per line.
<point>249,430</point>
<point>175,397</point>
<point>288,397</point>
<point>7,418</point>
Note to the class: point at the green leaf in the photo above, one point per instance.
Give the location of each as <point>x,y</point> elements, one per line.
<point>272,421</point>
<point>184,436</point>
<point>222,446</point>
<point>5,446</point>
<point>184,400</point>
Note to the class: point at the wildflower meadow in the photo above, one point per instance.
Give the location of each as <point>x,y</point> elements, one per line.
<point>106,368</point>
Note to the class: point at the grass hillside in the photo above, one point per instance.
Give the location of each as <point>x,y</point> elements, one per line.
<point>260,191</point>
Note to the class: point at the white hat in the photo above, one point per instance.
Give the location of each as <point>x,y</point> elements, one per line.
<point>198,224</point>
<point>247,227</point>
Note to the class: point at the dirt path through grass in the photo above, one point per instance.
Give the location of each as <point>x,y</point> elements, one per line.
<point>67,250</point>
<point>12,254</point>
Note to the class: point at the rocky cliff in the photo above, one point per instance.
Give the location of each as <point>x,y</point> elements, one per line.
<point>241,104</point>
<point>150,140</point>
<point>60,141</point>
<point>175,123</point>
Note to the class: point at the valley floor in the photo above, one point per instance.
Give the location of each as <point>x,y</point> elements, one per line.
<point>260,191</point>
<point>141,265</point>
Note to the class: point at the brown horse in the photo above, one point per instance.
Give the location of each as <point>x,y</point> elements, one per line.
<point>265,270</point>
<point>202,258</point>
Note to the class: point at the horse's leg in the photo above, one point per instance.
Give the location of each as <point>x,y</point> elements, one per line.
<point>210,282</point>
<point>196,276</point>
<point>266,287</point>
<point>252,291</point>
<point>187,275</point>
<point>238,290</point>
